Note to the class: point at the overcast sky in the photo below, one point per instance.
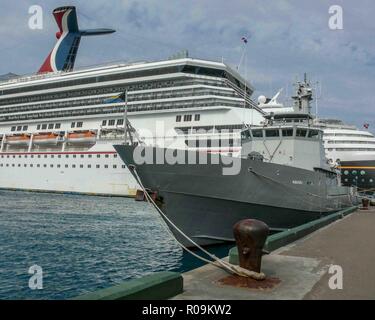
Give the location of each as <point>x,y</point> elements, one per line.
<point>285,39</point>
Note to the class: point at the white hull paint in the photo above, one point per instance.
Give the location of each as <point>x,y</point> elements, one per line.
<point>76,174</point>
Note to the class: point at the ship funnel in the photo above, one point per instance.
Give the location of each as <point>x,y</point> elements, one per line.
<point>63,55</point>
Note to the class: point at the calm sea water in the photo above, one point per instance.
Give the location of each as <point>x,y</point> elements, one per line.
<point>82,243</point>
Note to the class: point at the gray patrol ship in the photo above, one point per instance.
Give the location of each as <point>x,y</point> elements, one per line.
<point>281,178</point>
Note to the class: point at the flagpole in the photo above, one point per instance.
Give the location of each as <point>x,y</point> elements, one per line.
<point>126,117</point>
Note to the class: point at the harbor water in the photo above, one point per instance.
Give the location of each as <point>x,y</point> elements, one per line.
<point>81,243</point>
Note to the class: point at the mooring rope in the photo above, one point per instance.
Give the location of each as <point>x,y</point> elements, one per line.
<point>231,268</point>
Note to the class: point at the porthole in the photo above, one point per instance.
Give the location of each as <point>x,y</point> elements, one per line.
<point>346,172</point>
<point>354,172</point>
<point>371,180</point>
<point>363,172</point>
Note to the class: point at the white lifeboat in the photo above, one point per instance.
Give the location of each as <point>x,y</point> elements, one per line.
<point>18,140</point>
<point>82,137</point>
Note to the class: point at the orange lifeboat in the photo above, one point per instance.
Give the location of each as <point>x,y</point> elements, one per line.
<point>18,140</point>
<point>46,138</point>
<point>82,137</point>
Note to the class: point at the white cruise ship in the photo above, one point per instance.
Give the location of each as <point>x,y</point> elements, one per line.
<point>57,127</point>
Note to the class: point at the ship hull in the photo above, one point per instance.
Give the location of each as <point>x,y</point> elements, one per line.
<point>205,204</point>
<point>91,173</point>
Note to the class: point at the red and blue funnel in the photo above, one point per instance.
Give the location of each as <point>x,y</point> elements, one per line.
<point>64,54</point>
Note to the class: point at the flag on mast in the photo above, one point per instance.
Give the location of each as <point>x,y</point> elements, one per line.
<point>366,125</point>
<point>244,39</point>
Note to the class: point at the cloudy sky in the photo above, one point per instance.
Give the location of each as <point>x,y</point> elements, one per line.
<point>286,39</point>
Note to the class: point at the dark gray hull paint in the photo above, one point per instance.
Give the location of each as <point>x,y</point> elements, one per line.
<point>206,204</point>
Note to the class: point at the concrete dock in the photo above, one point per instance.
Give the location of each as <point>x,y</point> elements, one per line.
<point>306,268</point>
<point>302,267</point>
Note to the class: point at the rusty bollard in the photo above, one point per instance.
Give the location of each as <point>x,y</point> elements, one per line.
<point>250,235</point>
<point>365,204</point>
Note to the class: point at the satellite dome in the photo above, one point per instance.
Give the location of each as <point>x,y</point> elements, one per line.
<point>262,99</point>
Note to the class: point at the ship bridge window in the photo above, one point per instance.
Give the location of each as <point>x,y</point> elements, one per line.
<point>313,134</point>
<point>287,132</point>
<point>111,122</point>
<point>245,134</point>
<point>257,133</point>
<point>301,132</point>
<point>272,133</point>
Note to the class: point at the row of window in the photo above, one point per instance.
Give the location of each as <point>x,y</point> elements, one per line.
<point>132,98</point>
<point>208,143</point>
<point>19,128</point>
<point>57,155</point>
<point>355,180</point>
<point>288,132</point>
<point>189,69</point>
<point>48,126</point>
<point>188,117</point>
<point>329,135</point>
<point>110,89</point>
<point>112,122</point>
<point>31,165</point>
<point>355,172</point>
<point>118,109</point>
<point>350,141</point>
<point>78,124</point>
<point>351,149</point>
<point>209,129</point>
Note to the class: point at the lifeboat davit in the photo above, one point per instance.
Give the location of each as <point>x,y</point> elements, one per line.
<point>18,140</point>
<point>46,138</point>
<point>82,137</point>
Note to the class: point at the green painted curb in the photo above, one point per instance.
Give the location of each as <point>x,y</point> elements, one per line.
<point>156,286</point>
<point>283,238</point>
